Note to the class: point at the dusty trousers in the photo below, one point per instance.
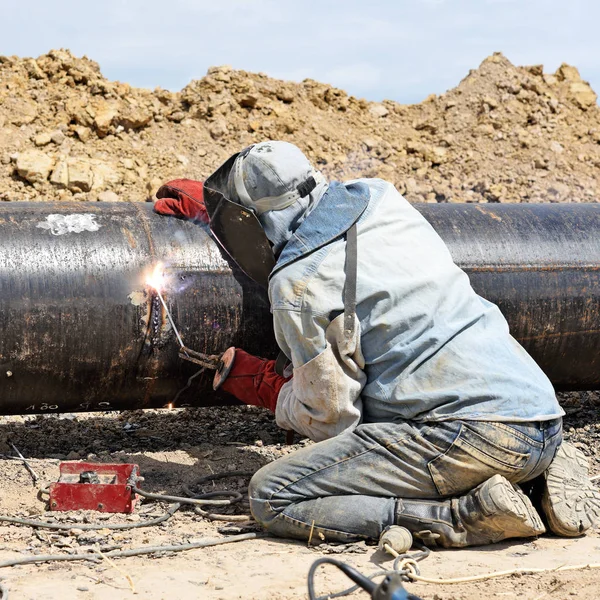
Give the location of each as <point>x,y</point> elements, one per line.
<point>347,488</point>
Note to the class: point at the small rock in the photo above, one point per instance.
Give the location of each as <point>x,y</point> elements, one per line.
<point>425,125</point>
<point>103,119</point>
<point>20,110</point>
<point>218,129</point>
<point>83,133</point>
<point>567,73</point>
<point>58,137</point>
<point>176,116</point>
<point>42,139</point>
<point>285,95</point>
<point>378,110</point>
<point>80,175</point>
<point>491,102</point>
<point>135,117</point>
<point>108,196</point>
<point>556,147</point>
<point>253,126</point>
<point>33,69</point>
<point>82,588</point>
<point>537,70</point>
<point>60,174</point>
<point>558,191</point>
<point>248,100</point>
<point>153,185</point>
<point>370,143</point>
<point>582,94</point>
<point>289,126</point>
<point>34,166</point>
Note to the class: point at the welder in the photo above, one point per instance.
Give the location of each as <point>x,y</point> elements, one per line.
<point>427,413</point>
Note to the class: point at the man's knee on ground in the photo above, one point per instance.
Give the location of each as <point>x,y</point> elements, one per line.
<point>260,491</point>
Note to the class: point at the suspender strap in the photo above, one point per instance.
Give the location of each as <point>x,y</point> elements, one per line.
<point>350,283</point>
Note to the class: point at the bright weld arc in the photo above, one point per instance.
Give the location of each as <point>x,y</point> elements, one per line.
<point>154,282</point>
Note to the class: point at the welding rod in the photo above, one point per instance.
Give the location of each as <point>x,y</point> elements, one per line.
<point>204,360</point>
<point>171,319</point>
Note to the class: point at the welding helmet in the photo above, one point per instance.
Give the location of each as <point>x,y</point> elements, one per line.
<point>270,176</point>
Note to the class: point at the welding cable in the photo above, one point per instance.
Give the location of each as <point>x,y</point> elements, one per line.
<point>91,526</point>
<point>142,550</point>
<point>187,385</point>
<point>397,569</point>
<point>235,497</point>
<point>222,516</point>
<point>219,516</point>
<point>202,500</point>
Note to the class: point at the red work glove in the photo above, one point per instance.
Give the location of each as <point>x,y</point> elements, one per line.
<point>253,380</point>
<point>182,198</point>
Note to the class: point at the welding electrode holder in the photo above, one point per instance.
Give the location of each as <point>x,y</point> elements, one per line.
<point>220,364</point>
<point>224,368</point>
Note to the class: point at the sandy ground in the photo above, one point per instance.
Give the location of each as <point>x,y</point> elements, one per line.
<point>177,447</point>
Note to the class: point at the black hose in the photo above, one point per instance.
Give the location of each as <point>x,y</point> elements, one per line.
<point>422,554</point>
<point>361,580</point>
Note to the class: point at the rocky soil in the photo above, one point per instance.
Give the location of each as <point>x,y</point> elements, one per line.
<point>504,134</point>
<point>175,448</point>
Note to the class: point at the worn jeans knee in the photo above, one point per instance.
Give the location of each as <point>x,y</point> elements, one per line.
<point>259,492</point>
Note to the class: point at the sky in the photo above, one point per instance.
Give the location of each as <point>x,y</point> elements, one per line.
<point>401,50</point>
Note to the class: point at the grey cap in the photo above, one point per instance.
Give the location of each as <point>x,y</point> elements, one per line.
<point>272,176</point>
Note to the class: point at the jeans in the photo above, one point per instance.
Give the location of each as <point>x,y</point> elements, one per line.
<point>345,488</point>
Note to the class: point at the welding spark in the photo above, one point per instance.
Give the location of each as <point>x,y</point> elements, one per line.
<point>156,279</point>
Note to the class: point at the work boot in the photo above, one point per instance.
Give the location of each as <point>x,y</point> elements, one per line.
<point>492,512</point>
<point>570,501</point>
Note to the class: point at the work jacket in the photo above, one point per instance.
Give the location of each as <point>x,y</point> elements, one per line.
<point>425,346</point>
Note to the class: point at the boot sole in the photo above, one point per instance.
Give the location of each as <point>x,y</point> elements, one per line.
<point>570,501</point>
<point>518,515</point>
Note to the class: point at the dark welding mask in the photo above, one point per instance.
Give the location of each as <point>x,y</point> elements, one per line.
<point>263,177</point>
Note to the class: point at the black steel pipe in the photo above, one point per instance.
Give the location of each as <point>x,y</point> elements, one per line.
<point>80,329</point>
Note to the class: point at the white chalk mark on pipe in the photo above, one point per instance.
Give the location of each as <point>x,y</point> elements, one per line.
<point>77,223</point>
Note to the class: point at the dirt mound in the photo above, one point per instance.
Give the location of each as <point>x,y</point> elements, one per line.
<point>504,134</point>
